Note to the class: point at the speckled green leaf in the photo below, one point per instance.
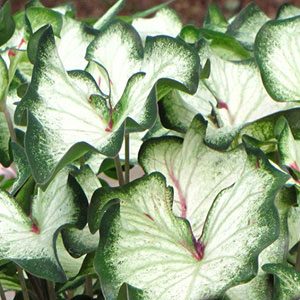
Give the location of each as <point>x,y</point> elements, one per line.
<point>287,281</point>
<point>184,163</point>
<point>277,54</point>
<point>143,244</point>
<point>21,165</point>
<point>41,16</point>
<point>287,10</point>
<point>72,36</point>
<point>67,116</point>
<point>29,241</point>
<point>246,24</point>
<point>260,288</point>
<point>164,22</point>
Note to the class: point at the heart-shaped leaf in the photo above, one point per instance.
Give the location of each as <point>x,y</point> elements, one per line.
<point>144,244</point>
<point>141,70</point>
<point>277,54</point>
<point>29,241</point>
<point>62,115</point>
<point>183,163</point>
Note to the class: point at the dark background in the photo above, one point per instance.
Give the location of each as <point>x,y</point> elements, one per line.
<point>190,11</point>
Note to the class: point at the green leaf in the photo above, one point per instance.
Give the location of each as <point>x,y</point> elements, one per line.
<point>63,120</point>
<point>109,15</point>
<point>246,24</point>
<point>276,51</point>
<point>4,81</point>
<point>293,224</point>
<point>41,16</point>
<point>287,10</point>
<point>70,265</point>
<point>179,161</point>
<point>177,109</point>
<point>22,166</point>
<point>30,241</point>
<point>143,244</point>
<point>164,22</point>
<point>259,287</point>
<point>66,9</point>
<point>225,45</point>
<point>287,281</point>
<point>73,37</point>
<point>214,19</point>
<point>79,242</point>
<point>190,34</point>
<point>10,282</point>
<point>7,24</point>
<point>288,148</point>
<point>4,141</point>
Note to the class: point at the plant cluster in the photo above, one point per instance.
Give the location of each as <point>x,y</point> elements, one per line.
<point>212,116</point>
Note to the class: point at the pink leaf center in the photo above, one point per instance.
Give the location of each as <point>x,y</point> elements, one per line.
<point>294,166</point>
<point>35,229</point>
<point>222,104</point>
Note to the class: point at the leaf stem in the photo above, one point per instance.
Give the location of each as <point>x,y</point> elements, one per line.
<point>119,170</point>
<point>2,294</point>
<point>51,290</point>
<point>297,266</point>
<point>127,164</point>
<point>23,283</point>
<point>10,124</point>
<point>89,286</point>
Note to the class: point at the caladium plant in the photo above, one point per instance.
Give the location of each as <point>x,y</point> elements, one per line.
<point>207,117</point>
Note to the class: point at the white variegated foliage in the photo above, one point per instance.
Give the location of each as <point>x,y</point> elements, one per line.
<point>30,240</point>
